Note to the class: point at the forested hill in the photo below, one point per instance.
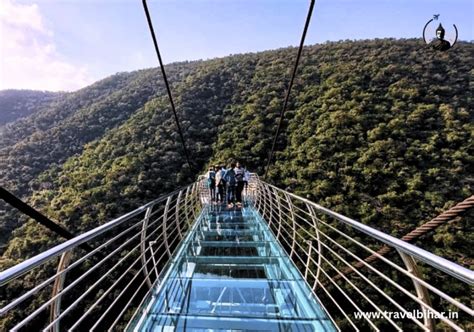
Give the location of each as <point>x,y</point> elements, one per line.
<point>380,130</point>
<point>16,104</point>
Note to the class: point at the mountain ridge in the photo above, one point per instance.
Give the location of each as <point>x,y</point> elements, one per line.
<point>354,105</point>
<point>17,104</point>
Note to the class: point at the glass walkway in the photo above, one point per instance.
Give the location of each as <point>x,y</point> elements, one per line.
<point>230,274</point>
<point>178,263</point>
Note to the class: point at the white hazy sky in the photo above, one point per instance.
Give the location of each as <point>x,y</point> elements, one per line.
<point>68,44</point>
<point>29,54</point>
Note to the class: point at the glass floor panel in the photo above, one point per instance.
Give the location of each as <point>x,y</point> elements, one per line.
<point>236,297</point>
<point>233,271</point>
<point>230,274</point>
<point>192,323</point>
<point>227,225</point>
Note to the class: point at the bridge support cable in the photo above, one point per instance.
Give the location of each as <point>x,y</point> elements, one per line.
<point>21,206</point>
<point>434,223</point>
<point>165,79</point>
<point>290,86</point>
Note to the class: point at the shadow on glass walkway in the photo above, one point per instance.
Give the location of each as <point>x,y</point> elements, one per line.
<point>280,263</point>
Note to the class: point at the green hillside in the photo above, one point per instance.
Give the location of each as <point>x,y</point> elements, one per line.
<point>43,141</point>
<point>17,104</point>
<point>379,130</point>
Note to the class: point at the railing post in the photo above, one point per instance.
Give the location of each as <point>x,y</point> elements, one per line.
<point>186,206</point>
<point>55,310</point>
<point>270,192</point>
<point>253,186</point>
<point>266,203</point>
<point>316,229</point>
<point>143,245</point>
<point>153,259</point>
<point>258,196</point>
<point>178,223</point>
<point>293,223</point>
<point>280,213</point>
<point>263,194</point>
<point>421,291</point>
<point>195,197</point>
<point>165,226</point>
<point>263,198</point>
<point>308,259</point>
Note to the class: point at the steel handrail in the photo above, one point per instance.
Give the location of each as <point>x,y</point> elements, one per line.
<point>413,277</point>
<point>451,268</point>
<point>29,264</point>
<point>283,211</point>
<point>291,218</point>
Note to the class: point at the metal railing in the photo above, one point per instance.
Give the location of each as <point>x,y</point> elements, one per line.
<point>408,290</point>
<point>66,288</point>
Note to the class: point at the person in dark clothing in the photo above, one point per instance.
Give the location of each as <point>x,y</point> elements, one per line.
<point>239,177</point>
<point>231,183</point>
<point>211,182</point>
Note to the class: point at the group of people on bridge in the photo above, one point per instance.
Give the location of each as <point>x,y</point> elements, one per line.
<point>227,184</point>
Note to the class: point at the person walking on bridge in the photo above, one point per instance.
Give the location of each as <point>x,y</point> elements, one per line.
<point>211,183</point>
<point>220,183</point>
<point>231,183</point>
<point>239,177</point>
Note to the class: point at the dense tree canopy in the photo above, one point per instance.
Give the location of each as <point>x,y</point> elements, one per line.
<point>380,130</point>
<point>17,104</point>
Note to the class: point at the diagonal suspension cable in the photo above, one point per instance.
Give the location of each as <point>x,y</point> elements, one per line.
<point>431,225</point>
<point>288,91</point>
<point>18,204</point>
<point>165,78</point>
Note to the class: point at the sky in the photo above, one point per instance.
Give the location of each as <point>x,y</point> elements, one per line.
<point>64,45</point>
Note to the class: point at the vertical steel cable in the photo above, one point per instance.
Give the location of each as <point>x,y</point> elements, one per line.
<point>165,78</point>
<point>287,97</point>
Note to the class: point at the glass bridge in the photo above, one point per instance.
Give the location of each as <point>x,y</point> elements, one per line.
<point>281,263</point>
<point>231,274</point>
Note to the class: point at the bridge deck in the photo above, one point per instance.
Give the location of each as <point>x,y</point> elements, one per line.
<point>230,274</point>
